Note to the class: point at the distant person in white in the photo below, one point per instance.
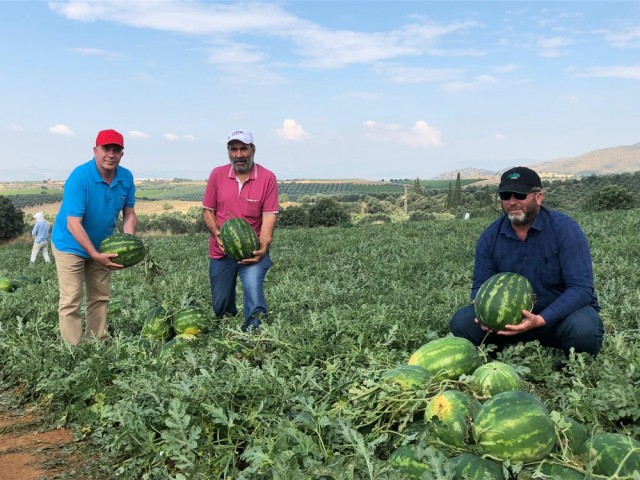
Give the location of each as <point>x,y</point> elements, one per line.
<point>40,234</point>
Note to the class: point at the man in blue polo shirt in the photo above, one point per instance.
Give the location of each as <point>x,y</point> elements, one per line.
<point>552,252</point>
<point>94,195</point>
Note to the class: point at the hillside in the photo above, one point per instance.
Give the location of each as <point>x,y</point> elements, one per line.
<point>597,162</point>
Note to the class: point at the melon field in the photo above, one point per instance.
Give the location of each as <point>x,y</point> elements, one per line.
<point>307,396</point>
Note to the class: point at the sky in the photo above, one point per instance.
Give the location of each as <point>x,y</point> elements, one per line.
<point>372,90</point>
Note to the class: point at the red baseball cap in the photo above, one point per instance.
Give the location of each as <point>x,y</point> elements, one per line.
<point>109,137</point>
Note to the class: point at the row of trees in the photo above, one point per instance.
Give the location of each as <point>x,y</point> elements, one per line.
<point>609,192</point>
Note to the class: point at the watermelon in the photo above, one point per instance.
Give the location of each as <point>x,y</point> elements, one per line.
<point>405,460</point>
<point>6,285</point>
<point>468,466</point>
<point>131,249</point>
<point>24,280</point>
<point>180,339</point>
<point>501,299</point>
<point>447,358</point>
<point>556,470</point>
<point>496,377</point>
<point>408,376</point>
<point>449,416</point>
<point>238,239</point>
<point>157,324</point>
<point>574,436</point>
<point>192,321</point>
<point>514,425</point>
<point>614,453</point>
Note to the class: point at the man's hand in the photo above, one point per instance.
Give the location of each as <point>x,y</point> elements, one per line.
<point>529,322</point>
<point>257,255</point>
<point>104,259</point>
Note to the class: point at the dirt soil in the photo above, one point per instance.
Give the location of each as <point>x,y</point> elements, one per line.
<point>30,450</point>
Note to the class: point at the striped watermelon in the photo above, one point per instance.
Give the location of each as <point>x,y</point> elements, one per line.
<point>405,460</point>
<point>574,436</point>
<point>238,239</point>
<point>180,339</point>
<point>6,284</point>
<point>131,249</point>
<point>556,470</point>
<point>408,376</point>
<point>516,426</point>
<point>449,416</point>
<point>157,324</point>
<point>496,377</point>
<point>468,466</point>
<point>501,299</point>
<point>614,453</point>
<point>447,358</point>
<point>192,321</point>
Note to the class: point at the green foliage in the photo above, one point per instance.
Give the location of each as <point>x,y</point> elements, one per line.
<point>610,197</point>
<point>327,212</point>
<point>304,397</point>
<point>11,219</point>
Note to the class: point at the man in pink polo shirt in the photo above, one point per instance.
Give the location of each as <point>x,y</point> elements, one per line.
<point>250,191</point>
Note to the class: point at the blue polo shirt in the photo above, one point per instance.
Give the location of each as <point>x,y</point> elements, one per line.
<point>87,195</point>
<point>555,257</point>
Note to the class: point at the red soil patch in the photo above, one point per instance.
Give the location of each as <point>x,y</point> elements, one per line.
<point>26,450</point>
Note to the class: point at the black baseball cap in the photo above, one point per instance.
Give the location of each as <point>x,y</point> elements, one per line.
<point>519,180</point>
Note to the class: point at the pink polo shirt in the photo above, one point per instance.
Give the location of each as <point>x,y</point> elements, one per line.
<point>230,199</point>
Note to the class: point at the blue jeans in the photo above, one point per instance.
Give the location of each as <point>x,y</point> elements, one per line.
<point>582,330</point>
<point>223,273</point>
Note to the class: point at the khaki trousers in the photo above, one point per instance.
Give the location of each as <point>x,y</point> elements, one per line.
<point>74,274</point>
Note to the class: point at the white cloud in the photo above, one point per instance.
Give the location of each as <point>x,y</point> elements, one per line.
<point>626,38</point>
<point>60,129</point>
<point>292,130</point>
<point>138,134</point>
<point>500,136</point>
<point>172,137</point>
<point>15,127</point>
<point>554,47</point>
<point>421,134</point>
<point>620,71</point>
<point>95,52</point>
<point>422,75</point>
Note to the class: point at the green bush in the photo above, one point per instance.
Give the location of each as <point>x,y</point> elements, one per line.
<point>11,219</point>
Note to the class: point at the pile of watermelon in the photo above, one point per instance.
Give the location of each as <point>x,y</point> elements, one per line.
<point>171,328</point>
<point>486,422</point>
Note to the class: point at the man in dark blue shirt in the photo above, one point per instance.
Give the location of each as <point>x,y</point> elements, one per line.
<point>552,252</point>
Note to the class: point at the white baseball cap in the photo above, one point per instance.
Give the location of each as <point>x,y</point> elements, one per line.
<point>244,136</point>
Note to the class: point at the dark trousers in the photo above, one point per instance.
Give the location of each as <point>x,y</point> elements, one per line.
<point>583,330</point>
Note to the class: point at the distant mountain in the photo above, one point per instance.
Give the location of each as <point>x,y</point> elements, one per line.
<point>466,173</point>
<point>597,162</point>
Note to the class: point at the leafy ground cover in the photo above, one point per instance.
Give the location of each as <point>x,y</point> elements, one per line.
<point>304,397</point>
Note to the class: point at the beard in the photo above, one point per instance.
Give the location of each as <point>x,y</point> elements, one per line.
<point>524,217</point>
<point>242,168</point>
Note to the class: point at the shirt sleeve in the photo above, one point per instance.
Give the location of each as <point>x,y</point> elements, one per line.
<point>577,272</point>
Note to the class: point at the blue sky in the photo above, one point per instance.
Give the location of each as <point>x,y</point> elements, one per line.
<point>342,89</point>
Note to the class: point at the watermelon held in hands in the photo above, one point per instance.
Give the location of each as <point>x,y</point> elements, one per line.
<point>191,321</point>
<point>501,299</point>
<point>447,358</point>
<point>238,239</point>
<point>130,248</point>
<point>516,426</point>
<point>408,376</point>
<point>614,453</point>
<point>496,377</point>
<point>449,415</point>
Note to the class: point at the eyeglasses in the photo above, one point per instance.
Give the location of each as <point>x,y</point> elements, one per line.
<point>518,196</point>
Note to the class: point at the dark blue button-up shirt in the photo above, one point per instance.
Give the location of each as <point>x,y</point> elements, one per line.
<point>555,257</point>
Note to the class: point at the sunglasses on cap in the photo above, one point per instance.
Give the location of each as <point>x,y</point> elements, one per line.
<point>518,196</point>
